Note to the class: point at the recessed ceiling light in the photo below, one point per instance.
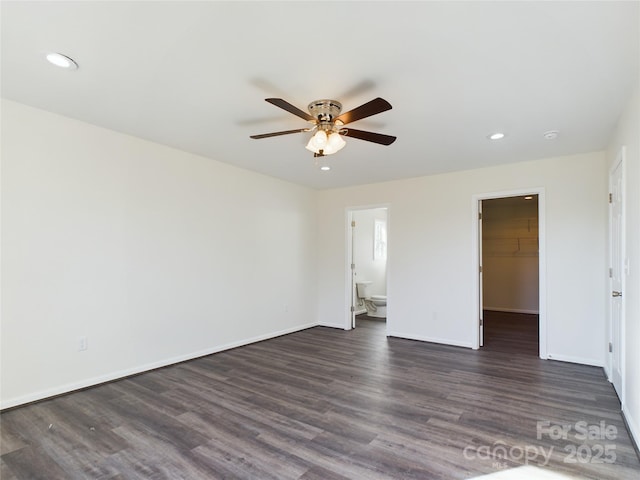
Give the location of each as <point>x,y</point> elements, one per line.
<point>496,136</point>
<point>62,61</point>
<point>325,168</point>
<point>550,135</point>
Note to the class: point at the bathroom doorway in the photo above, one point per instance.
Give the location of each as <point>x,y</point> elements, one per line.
<point>510,248</point>
<point>368,229</point>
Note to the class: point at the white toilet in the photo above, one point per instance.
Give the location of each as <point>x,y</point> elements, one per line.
<point>376,305</point>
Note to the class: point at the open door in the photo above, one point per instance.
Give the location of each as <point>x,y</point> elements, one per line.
<point>354,296</point>
<point>616,274</point>
<point>480,280</point>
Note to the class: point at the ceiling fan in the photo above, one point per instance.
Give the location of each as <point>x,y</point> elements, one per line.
<point>328,124</point>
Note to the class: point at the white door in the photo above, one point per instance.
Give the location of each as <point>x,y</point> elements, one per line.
<point>481,306</point>
<point>617,275</point>
<point>353,274</point>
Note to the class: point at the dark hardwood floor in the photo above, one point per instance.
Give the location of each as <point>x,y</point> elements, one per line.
<point>327,404</point>
<point>511,332</point>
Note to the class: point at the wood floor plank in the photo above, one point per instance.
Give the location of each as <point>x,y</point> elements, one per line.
<point>327,404</point>
<point>34,463</point>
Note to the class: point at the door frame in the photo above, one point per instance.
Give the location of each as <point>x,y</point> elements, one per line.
<point>542,262</point>
<point>349,285</point>
<point>619,163</point>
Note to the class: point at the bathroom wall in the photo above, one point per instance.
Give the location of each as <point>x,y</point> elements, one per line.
<point>368,268</point>
<point>510,254</point>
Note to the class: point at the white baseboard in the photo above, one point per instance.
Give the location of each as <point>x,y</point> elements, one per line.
<point>511,310</point>
<point>570,359</point>
<point>332,325</point>
<point>90,382</point>
<point>634,426</point>
<point>444,341</point>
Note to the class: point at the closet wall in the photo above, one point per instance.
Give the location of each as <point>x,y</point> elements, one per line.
<point>510,254</point>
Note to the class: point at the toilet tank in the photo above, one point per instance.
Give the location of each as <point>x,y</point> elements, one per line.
<point>363,289</point>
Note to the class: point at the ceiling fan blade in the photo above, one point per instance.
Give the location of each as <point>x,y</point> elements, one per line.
<point>375,106</point>
<point>283,104</point>
<point>275,134</point>
<point>369,136</point>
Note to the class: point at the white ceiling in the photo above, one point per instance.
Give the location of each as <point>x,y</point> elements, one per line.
<point>194,76</point>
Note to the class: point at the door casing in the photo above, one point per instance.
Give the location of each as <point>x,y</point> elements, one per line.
<point>542,262</point>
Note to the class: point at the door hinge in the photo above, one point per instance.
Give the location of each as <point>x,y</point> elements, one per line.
<point>353,223</point>
<point>481,322</point>
<point>610,198</point>
<point>479,215</point>
<point>480,268</point>
<point>353,266</point>
<point>610,347</point>
<point>610,272</point>
<point>353,309</point>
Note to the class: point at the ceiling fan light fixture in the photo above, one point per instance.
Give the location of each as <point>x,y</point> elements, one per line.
<point>317,142</point>
<point>322,144</point>
<point>336,142</point>
<point>311,145</point>
<point>320,139</point>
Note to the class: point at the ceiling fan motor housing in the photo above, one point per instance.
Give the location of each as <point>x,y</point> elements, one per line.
<point>325,110</point>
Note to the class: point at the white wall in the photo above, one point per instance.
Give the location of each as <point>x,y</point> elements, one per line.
<point>368,268</point>
<point>153,254</point>
<point>431,265</point>
<point>510,283</point>
<point>628,134</point>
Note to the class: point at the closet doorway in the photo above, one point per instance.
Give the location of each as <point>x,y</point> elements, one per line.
<point>510,289</point>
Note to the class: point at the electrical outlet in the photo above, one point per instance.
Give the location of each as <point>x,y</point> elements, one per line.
<point>82,344</point>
